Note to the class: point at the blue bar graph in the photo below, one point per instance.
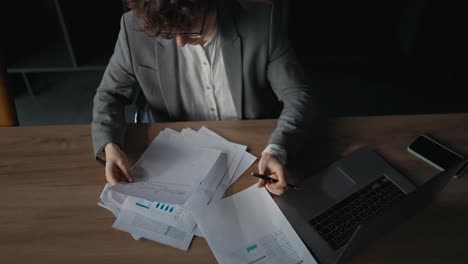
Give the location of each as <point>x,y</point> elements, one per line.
<point>164,207</point>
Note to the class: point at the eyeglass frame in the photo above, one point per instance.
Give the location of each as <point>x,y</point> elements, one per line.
<point>186,34</point>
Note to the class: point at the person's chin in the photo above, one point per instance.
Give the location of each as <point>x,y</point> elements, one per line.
<point>195,42</point>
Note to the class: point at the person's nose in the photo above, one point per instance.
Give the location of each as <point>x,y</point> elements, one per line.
<point>181,41</point>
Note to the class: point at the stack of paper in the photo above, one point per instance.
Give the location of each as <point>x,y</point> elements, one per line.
<point>179,173</point>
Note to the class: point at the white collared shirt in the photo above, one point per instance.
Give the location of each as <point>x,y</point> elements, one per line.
<point>204,87</point>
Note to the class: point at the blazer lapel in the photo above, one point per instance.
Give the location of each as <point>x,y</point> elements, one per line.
<point>231,45</point>
<point>167,60</point>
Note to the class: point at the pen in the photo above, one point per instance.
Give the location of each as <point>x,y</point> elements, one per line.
<point>266,178</point>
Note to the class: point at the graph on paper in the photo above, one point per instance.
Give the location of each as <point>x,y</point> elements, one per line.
<point>166,213</point>
<point>272,248</point>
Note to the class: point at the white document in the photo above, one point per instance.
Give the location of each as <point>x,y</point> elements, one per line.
<point>246,161</point>
<point>177,215</point>
<point>154,230</point>
<point>108,202</point>
<point>142,226</point>
<point>169,173</point>
<point>233,151</point>
<point>248,227</point>
<point>207,189</point>
<point>113,202</point>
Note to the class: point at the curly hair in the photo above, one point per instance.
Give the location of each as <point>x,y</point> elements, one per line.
<point>169,15</point>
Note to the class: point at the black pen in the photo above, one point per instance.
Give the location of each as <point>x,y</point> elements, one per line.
<point>266,178</point>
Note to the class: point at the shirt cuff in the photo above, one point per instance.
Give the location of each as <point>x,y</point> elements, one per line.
<point>278,151</point>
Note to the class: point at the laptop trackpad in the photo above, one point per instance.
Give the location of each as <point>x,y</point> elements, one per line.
<point>337,184</point>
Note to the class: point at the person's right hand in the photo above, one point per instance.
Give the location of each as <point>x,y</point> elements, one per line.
<point>117,167</point>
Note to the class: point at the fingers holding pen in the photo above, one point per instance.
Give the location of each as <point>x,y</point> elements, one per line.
<point>270,166</point>
<point>279,186</point>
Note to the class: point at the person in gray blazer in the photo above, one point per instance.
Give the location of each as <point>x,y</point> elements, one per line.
<point>204,60</point>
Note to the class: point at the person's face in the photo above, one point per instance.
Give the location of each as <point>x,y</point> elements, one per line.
<point>196,35</point>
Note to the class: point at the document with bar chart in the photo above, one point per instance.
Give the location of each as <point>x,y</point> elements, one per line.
<point>248,227</point>
<point>179,172</point>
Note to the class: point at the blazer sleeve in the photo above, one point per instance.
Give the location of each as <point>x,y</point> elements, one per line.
<point>114,92</point>
<point>289,83</point>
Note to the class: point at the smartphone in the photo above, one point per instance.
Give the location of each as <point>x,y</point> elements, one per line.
<point>434,153</point>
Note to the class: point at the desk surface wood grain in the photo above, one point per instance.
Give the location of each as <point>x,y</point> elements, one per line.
<point>50,186</point>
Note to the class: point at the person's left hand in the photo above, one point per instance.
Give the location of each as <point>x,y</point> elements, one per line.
<point>269,165</point>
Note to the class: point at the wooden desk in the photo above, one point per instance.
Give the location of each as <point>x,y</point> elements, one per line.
<point>50,185</point>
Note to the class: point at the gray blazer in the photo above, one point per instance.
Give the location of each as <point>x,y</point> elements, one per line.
<point>263,74</point>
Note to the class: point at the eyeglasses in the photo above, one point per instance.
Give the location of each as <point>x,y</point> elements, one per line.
<point>192,35</point>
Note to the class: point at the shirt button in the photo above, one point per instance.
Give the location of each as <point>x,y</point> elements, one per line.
<point>208,88</point>
<point>212,109</point>
<point>205,63</point>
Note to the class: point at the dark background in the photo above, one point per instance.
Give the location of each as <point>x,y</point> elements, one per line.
<point>362,57</point>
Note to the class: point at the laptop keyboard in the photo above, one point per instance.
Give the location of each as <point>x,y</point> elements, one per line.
<point>337,224</point>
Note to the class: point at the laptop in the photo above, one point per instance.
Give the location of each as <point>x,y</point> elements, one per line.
<point>339,210</point>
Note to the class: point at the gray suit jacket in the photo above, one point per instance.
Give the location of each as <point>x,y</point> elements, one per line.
<point>262,70</point>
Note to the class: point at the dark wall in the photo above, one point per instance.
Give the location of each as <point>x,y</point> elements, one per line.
<point>383,57</point>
